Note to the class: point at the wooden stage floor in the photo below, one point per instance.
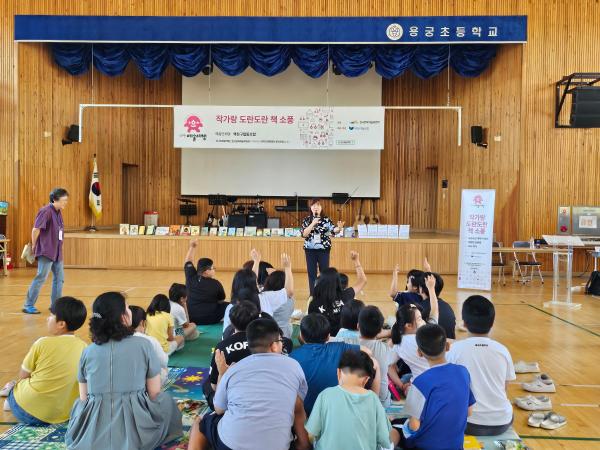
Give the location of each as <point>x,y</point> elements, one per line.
<point>566,343</point>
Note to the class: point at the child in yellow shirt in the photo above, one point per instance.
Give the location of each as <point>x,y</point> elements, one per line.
<point>47,384</point>
<point>160,324</point>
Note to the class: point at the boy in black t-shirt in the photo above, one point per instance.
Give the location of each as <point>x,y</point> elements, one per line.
<point>235,347</point>
<point>447,319</point>
<point>206,295</point>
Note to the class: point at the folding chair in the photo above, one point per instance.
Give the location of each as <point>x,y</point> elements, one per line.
<point>528,263</point>
<point>498,261</point>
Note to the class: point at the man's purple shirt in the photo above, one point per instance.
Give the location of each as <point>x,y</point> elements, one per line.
<point>50,223</point>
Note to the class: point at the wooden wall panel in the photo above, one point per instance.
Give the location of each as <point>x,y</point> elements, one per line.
<point>534,168</point>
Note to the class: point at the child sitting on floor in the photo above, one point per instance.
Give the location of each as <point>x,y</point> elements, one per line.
<point>349,320</point>
<point>408,320</point>
<point>370,324</point>
<point>178,300</point>
<point>138,323</point>
<point>439,399</point>
<point>490,365</point>
<point>160,324</point>
<point>47,384</point>
<point>348,415</point>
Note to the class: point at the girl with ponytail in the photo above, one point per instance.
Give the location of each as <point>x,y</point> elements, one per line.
<point>408,320</point>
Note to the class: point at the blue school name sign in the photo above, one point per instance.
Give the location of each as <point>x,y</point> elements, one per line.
<point>272,30</point>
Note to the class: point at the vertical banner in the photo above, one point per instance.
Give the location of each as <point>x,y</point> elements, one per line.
<point>476,237</point>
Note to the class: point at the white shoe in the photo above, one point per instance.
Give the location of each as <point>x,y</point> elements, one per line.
<point>554,421</point>
<point>7,388</point>
<point>531,403</point>
<point>526,367</point>
<point>542,383</point>
<point>6,406</point>
<point>535,419</point>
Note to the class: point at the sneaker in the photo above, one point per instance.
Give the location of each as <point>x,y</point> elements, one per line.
<point>541,383</point>
<point>7,388</point>
<point>554,421</point>
<point>531,403</point>
<point>6,406</point>
<point>535,419</point>
<point>526,367</point>
<point>31,310</point>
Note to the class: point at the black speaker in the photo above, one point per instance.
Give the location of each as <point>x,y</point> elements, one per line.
<point>585,107</point>
<point>258,220</point>
<point>73,134</point>
<point>237,221</point>
<point>476,134</point>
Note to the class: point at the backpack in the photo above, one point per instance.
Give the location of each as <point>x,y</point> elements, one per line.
<point>592,287</point>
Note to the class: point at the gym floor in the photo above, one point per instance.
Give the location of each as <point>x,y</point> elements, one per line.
<point>566,343</point>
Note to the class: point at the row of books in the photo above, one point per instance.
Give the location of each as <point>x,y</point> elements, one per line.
<point>193,230</point>
<point>364,231</point>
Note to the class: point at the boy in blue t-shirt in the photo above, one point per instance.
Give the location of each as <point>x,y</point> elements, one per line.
<point>439,400</point>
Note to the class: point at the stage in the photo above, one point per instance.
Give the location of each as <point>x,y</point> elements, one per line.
<point>108,250</point>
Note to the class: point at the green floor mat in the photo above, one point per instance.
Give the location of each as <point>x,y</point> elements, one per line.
<point>198,353</point>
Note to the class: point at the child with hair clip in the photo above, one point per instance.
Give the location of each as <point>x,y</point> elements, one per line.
<point>160,324</point>
<point>408,321</point>
<point>138,324</point>
<point>120,404</point>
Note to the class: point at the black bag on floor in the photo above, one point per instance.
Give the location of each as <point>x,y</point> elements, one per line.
<point>592,287</point>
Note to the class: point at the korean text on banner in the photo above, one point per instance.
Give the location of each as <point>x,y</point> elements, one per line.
<point>277,127</point>
<point>476,238</point>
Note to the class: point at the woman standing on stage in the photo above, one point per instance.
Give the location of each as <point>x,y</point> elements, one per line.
<point>316,231</point>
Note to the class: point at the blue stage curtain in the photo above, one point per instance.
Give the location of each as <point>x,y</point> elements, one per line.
<point>232,59</point>
<point>151,59</point>
<point>391,61</point>
<point>111,59</point>
<point>269,60</point>
<point>313,60</point>
<point>470,60</point>
<point>74,58</point>
<point>430,60</point>
<point>352,60</point>
<point>188,59</point>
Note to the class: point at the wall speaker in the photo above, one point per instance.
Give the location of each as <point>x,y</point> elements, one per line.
<point>477,136</point>
<point>585,107</point>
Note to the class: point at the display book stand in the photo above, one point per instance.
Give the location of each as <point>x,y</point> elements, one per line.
<point>566,254</point>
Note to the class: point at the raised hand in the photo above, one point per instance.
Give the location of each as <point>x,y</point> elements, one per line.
<point>286,262</point>
<point>430,283</point>
<point>194,243</point>
<point>255,255</point>
<point>354,255</point>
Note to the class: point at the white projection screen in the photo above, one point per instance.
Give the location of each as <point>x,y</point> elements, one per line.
<point>273,173</point>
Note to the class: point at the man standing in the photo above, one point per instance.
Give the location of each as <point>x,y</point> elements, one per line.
<point>46,243</point>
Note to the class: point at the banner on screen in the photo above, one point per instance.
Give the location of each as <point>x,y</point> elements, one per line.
<point>476,237</point>
<point>279,127</point>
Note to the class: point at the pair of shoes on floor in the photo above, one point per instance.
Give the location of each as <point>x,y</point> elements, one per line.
<point>541,383</point>
<point>527,367</point>
<point>548,421</point>
<point>7,388</point>
<point>534,403</point>
<point>31,310</point>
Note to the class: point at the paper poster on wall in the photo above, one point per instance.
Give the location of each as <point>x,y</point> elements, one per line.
<point>588,222</point>
<point>476,237</point>
<point>279,127</point>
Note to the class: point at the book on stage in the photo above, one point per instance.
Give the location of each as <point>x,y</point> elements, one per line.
<point>133,230</point>
<point>124,229</point>
<point>174,230</point>
<point>150,229</point>
<point>185,230</point>
<point>250,231</point>
<point>214,231</point>
<point>222,231</point>
<point>194,230</point>
<point>204,231</point>
<point>267,232</point>
<point>239,232</point>
<point>162,231</point>
<point>231,231</point>
<point>142,230</point>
